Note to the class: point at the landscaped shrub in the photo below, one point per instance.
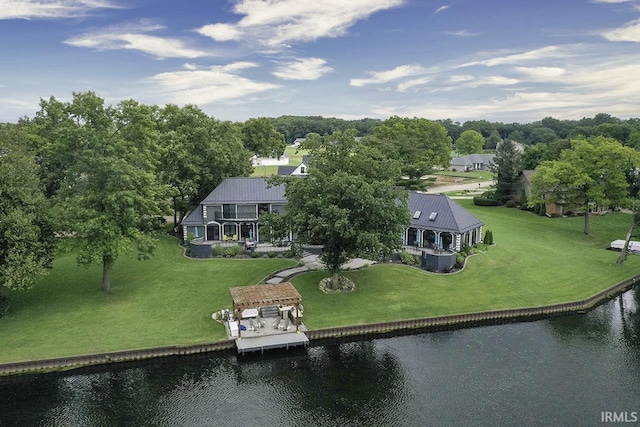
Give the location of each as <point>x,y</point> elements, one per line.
<point>271,254</point>
<point>407,258</point>
<point>232,251</point>
<point>483,201</point>
<point>255,255</point>
<point>218,250</point>
<point>510,204</point>
<point>488,237</point>
<point>460,257</point>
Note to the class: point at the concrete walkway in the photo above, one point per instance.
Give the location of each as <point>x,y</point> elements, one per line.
<point>311,263</point>
<point>459,187</point>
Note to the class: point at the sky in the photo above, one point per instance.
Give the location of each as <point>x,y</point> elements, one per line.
<point>496,60</point>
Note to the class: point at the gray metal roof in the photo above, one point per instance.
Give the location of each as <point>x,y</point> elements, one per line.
<point>194,218</point>
<point>245,190</point>
<point>286,170</point>
<point>450,216</point>
<point>472,159</point>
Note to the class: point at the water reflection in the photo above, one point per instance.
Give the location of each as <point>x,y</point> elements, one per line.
<point>558,371</point>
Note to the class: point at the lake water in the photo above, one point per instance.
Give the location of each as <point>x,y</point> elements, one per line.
<point>562,371</point>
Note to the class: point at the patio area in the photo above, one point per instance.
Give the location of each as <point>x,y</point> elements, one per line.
<point>266,316</point>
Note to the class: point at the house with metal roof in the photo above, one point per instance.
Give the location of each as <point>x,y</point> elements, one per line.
<point>232,212</point>
<point>439,223</point>
<point>472,162</point>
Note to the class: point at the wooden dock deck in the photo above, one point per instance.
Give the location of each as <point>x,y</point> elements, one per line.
<point>268,342</point>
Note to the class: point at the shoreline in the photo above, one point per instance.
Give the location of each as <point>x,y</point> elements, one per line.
<point>428,324</point>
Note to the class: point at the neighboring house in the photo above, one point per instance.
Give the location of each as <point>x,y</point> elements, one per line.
<point>300,170</point>
<point>298,141</point>
<point>232,212</point>
<point>437,222</point>
<point>269,161</point>
<point>472,162</point>
<point>523,187</point>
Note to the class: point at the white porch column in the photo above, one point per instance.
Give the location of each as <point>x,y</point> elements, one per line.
<point>184,233</point>
<point>458,242</point>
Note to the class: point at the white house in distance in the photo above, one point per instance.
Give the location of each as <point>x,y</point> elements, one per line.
<point>300,170</point>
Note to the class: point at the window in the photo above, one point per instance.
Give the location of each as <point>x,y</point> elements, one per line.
<point>281,209</point>
<point>432,216</point>
<point>247,211</point>
<point>417,214</point>
<point>229,211</point>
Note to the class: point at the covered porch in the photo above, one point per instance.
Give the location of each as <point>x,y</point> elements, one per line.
<point>438,241</point>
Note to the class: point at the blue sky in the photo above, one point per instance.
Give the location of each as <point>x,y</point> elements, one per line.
<point>499,60</point>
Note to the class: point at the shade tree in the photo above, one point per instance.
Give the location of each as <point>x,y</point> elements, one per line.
<point>347,202</point>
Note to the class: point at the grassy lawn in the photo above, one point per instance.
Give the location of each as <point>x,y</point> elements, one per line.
<point>169,299</point>
<point>295,158</point>
<point>473,175</point>
<point>164,301</point>
<point>536,261</point>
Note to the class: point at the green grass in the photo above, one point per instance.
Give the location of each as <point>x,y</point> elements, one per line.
<point>169,299</point>
<point>164,301</point>
<point>536,261</point>
<point>473,175</point>
<point>295,158</point>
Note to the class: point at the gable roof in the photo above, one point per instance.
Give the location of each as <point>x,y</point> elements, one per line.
<point>449,216</point>
<point>286,170</point>
<point>245,190</point>
<point>528,173</point>
<point>471,159</point>
<point>195,217</point>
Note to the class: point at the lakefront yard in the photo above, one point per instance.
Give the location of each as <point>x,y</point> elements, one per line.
<point>169,299</point>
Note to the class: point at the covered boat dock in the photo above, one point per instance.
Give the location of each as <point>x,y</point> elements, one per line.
<point>267,316</point>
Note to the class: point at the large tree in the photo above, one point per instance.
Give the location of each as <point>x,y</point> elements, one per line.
<point>418,144</point>
<point>110,192</point>
<point>470,142</point>
<point>198,153</point>
<point>26,226</point>
<point>347,202</point>
<point>589,174</point>
<point>261,137</point>
<point>506,168</point>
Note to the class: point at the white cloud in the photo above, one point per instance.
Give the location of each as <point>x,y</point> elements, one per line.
<point>543,53</point>
<point>51,9</point>
<point>404,86</point>
<point>459,78</point>
<point>541,73</point>
<point>275,23</point>
<point>461,33</point>
<point>135,37</point>
<point>570,92</point>
<point>398,72</point>
<point>628,33</point>
<point>441,9</point>
<point>208,85</point>
<point>303,69</point>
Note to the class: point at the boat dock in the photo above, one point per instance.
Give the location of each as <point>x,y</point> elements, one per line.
<point>268,342</point>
